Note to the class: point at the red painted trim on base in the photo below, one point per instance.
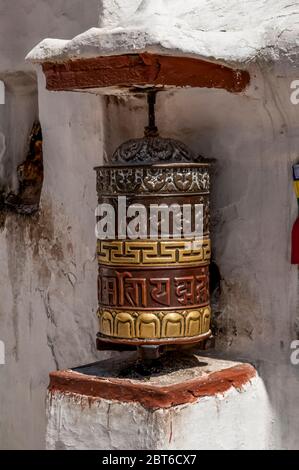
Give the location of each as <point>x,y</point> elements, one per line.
<point>151,396</point>
<point>142,69</point>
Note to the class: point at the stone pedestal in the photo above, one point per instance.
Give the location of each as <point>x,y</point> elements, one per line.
<point>186,401</point>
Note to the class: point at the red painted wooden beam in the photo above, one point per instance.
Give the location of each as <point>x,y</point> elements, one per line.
<point>142,69</point>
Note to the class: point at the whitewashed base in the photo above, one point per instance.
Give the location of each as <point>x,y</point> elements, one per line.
<point>236,419</point>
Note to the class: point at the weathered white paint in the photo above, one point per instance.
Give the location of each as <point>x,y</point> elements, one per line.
<point>2,92</point>
<point>237,419</point>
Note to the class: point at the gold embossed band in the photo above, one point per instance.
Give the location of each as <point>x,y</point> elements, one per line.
<point>154,252</point>
<point>124,324</point>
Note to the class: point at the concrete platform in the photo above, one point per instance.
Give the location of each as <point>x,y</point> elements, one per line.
<point>189,401</point>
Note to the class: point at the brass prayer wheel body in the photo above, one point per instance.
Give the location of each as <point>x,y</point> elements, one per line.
<point>153,285</point>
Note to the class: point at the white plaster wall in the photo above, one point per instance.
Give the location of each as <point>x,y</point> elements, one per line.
<point>48,272</point>
<point>237,419</point>
<point>25,23</point>
<point>47,263</point>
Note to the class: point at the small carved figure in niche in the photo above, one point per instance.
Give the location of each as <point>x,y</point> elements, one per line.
<point>30,176</point>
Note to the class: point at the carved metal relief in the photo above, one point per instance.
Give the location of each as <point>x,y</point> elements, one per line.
<point>137,324</point>
<point>163,253</point>
<point>153,180</point>
<point>154,289</point>
<point>152,150</point>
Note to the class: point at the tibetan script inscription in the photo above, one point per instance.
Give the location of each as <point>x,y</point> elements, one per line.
<point>144,289</point>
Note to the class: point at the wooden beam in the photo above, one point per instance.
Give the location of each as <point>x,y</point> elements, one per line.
<point>142,69</point>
